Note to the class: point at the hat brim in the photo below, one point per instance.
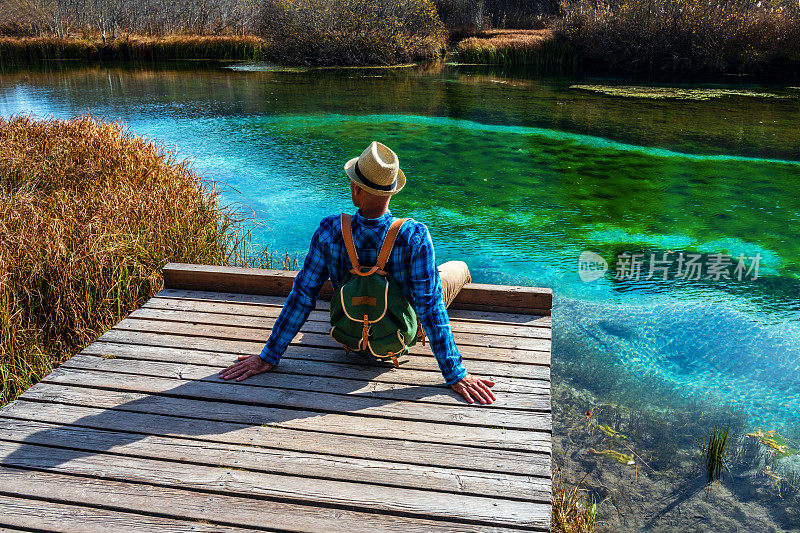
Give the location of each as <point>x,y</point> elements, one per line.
<point>350,170</point>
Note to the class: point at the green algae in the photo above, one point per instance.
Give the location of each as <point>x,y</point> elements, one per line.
<point>671,93</point>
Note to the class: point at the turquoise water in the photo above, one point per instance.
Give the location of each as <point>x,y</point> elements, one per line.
<point>518,176</point>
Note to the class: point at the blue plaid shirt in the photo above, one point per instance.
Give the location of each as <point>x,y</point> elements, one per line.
<point>411,264</point>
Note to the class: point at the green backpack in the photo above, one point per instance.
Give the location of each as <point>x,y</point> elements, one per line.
<point>369,314</point>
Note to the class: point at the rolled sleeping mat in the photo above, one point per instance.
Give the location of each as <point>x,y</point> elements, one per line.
<point>454,274</point>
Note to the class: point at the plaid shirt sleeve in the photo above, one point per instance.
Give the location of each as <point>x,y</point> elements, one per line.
<point>425,291</point>
<point>300,302</point>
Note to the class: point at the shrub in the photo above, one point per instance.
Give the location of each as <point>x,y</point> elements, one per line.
<point>352,32</point>
<point>89,214</point>
<point>467,17</point>
<point>684,36</point>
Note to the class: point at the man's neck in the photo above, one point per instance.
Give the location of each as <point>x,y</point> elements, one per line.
<point>373,212</point>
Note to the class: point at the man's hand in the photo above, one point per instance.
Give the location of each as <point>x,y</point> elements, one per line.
<point>472,388</point>
<point>246,366</point>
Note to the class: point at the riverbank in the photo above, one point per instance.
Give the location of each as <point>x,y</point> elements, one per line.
<point>650,38</point>
<point>23,50</point>
<point>89,213</point>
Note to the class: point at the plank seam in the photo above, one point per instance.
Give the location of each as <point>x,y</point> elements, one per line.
<point>257,471</point>
<point>149,304</point>
<point>289,387</point>
<point>244,425</point>
<point>186,438</point>
<point>150,344</point>
<point>291,501</point>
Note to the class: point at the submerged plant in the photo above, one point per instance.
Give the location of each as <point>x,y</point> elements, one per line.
<point>622,458</point>
<point>714,452</point>
<point>771,439</point>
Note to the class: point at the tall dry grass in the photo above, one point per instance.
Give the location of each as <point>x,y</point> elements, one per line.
<point>534,49</point>
<point>18,50</point>
<point>574,510</point>
<point>89,213</point>
<point>352,32</point>
<point>684,36</point>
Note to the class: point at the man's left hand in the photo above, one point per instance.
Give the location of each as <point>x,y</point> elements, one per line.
<point>246,366</point>
<point>473,387</point>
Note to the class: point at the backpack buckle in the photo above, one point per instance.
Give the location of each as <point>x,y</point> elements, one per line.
<point>365,332</point>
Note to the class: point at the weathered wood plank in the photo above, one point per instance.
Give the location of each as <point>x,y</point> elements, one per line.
<point>40,515</point>
<point>199,506</point>
<point>414,502</point>
<point>257,300</point>
<point>350,424</point>
<point>343,366</point>
<point>530,300</point>
<point>313,402</point>
<point>510,349</point>
<point>236,347</point>
<point>330,384</point>
<point>364,470</point>
<point>265,315</point>
<point>278,438</point>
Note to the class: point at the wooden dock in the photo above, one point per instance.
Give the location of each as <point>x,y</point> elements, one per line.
<point>138,433</point>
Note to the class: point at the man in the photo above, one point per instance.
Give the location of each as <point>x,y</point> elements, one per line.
<point>374,177</point>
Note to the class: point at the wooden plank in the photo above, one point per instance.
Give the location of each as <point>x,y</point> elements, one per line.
<point>484,347</point>
<point>236,347</point>
<point>494,339</point>
<point>350,424</point>
<point>199,506</point>
<point>413,502</point>
<point>41,515</point>
<point>526,300</point>
<point>259,300</point>
<point>257,459</point>
<point>301,363</point>
<point>330,384</point>
<point>278,438</point>
<point>207,312</point>
<point>307,403</point>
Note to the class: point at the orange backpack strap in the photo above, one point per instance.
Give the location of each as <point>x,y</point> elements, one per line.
<point>388,242</point>
<point>347,233</point>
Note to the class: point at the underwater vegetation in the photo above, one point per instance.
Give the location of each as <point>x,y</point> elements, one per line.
<point>674,93</point>
<point>641,458</point>
<point>714,454</point>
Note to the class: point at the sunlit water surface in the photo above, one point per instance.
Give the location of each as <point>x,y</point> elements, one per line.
<point>517,176</point>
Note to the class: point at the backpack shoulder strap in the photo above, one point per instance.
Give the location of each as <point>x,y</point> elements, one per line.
<point>347,233</point>
<point>388,242</point>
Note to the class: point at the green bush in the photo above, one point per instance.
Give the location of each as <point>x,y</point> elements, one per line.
<point>352,32</point>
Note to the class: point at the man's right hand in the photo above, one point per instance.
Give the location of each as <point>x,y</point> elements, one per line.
<point>474,388</point>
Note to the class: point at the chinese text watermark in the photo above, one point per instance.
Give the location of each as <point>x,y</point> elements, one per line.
<point>670,265</point>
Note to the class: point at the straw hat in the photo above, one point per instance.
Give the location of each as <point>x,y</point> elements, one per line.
<point>376,170</point>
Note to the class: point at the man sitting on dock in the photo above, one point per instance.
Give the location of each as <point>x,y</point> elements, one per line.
<point>374,177</point>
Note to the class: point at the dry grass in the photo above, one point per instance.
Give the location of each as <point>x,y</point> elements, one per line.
<point>536,49</point>
<point>132,48</point>
<point>89,214</point>
<point>573,510</point>
<point>684,36</point>
<point>352,32</point>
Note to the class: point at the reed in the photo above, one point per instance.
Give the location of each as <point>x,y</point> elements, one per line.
<point>89,213</point>
<point>573,510</point>
<point>714,454</point>
<point>22,50</point>
<point>534,49</point>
